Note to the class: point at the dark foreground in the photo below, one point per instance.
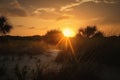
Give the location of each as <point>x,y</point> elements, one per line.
<point>93,59</point>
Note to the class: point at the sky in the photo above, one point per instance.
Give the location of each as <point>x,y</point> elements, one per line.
<point>35,17</point>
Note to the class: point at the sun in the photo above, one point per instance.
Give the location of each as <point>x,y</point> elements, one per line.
<point>68,32</point>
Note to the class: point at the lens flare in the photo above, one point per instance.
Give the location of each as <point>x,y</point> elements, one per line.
<point>67,43</point>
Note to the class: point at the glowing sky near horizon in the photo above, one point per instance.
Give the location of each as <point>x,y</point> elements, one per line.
<point>35,17</point>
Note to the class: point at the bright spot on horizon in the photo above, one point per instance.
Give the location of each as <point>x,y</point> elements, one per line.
<point>68,32</point>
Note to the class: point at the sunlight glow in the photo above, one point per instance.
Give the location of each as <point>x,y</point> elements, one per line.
<point>68,32</point>
<point>68,45</point>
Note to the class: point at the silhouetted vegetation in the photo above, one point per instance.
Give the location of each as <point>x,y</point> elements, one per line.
<point>5,26</point>
<point>94,56</point>
<point>29,38</point>
<point>53,36</point>
<point>93,53</point>
<point>89,31</point>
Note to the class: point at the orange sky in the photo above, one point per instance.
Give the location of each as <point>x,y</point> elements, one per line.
<point>35,17</point>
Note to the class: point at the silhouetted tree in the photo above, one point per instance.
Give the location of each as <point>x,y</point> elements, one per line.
<point>98,34</point>
<point>5,27</point>
<point>53,36</point>
<point>89,31</point>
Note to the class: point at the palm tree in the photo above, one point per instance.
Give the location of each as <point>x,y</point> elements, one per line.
<point>5,27</point>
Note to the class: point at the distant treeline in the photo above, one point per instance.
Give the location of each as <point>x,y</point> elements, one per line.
<point>38,37</point>
<point>8,37</point>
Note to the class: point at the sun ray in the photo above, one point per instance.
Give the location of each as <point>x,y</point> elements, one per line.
<point>71,46</point>
<point>66,43</point>
<point>59,41</point>
<point>73,54</point>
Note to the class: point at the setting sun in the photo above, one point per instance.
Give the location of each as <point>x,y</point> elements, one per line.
<point>68,32</point>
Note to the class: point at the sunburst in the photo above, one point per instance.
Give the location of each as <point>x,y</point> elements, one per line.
<point>67,32</point>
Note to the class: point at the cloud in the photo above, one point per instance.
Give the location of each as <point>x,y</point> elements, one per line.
<point>46,13</point>
<point>31,28</point>
<point>45,3</point>
<point>16,12</point>
<point>55,9</point>
<point>62,18</point>
<point>106,11</point>
<point>79,2</point>
<point>15,4</point>
<point>43,10</point>
<point>68,7</point>
<point>13,8</point>
<point>19,25</point>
